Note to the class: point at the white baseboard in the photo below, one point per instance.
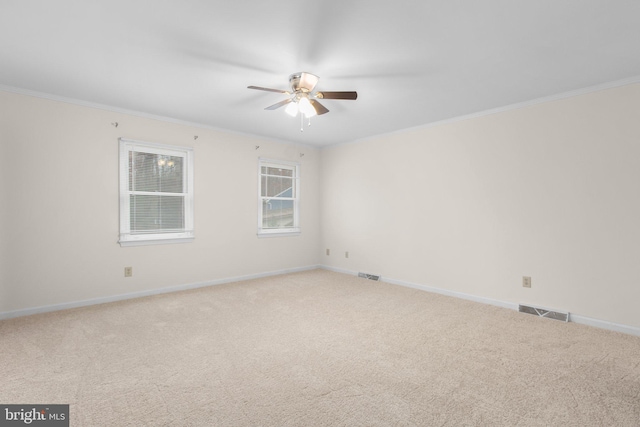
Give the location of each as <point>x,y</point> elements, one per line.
<point>576,318</point>
<point>113,298</point>
<point>602,324</point>
<point>440,291</point>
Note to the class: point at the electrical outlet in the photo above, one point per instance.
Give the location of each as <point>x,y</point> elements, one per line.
<point>128,271</point>
<point>328,252</point>
<point>526,281</point>
<point>346,254</point>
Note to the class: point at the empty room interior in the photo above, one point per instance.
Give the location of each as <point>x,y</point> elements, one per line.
<point>300,213</point>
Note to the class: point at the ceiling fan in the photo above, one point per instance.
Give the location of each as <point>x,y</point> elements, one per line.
<point>302,99</point>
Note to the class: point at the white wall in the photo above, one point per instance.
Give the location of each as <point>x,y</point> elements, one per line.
<point>4,209</point>
<point>549,191</point>
<point>60,205</point>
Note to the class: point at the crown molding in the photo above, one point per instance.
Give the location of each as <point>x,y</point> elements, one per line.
<point>518,105</point>
<point>112,109</point>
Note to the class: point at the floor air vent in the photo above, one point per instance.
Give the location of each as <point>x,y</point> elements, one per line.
<point>369,276</point>
<point>557,315</point>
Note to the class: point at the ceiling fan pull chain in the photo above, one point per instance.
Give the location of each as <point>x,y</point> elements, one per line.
<point>309,121</point>
<point>301,122</point>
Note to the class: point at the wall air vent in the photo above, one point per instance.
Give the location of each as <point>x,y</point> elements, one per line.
<point>543,312</point>
<point>369,276</point>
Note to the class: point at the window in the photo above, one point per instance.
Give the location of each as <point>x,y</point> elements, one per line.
<point>156,193</point>
<point>279,193</point>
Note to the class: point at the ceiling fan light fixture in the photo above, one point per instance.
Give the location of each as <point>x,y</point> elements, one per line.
<point>292,109</point>
<point>303,82</point>
<point>306,108</point>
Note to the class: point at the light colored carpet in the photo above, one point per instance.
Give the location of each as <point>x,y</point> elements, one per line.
<point>318,349</point>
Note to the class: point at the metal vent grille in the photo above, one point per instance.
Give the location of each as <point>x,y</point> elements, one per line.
<point>557,315</point>
<point>369,276</point>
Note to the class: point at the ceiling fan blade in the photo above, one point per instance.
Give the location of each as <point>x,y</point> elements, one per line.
<point>279,104</point>
<point>337,95</point>
<point>267,89</point>
<point>320,109</point>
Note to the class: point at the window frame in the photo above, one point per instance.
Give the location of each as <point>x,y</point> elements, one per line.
<point>185,235</point>
<point>288,231</point>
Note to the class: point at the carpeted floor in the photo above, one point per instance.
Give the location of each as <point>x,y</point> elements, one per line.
<point>318,349</point>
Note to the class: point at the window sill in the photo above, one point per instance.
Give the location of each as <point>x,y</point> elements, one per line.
<point>146,242</point>
<point>278,233</point>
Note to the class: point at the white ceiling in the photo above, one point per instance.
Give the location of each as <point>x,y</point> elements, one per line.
<point>412,62</point>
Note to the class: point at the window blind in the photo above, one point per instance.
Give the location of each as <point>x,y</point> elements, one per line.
<point>157,192</point>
